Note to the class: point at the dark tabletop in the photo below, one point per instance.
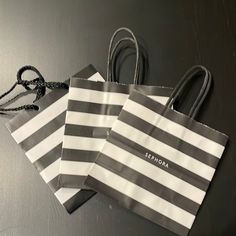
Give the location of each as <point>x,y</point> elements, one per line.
<point>62,37</point>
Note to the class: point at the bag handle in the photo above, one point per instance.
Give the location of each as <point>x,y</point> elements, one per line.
<point>188,76</point>
<point>114,57</point>
<point>39,89</point>
<point>112,48</point>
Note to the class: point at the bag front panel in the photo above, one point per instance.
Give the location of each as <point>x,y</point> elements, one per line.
<point>40,134</point>
<point>92,110</point>
<point>158,154</point>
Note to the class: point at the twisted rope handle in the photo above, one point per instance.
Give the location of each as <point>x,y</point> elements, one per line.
<point>39,89</point>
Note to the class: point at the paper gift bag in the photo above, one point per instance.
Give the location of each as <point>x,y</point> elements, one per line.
<point>40,133</point>
<point>92,109</point>
<point>157,161</point>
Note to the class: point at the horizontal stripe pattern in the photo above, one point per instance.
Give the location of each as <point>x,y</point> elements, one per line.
<point>180,119</point>
<point>172,154</point>
<point>173,169</point>
<point>40,135</point>
<point>153,172</point>
<point>92,110</point>
<point>51,171</point>
<point>138,207</point>
<point>88,119</point>
<point>157,163</point>
<point>148,183</point>
<point>162,149</point>
<point>183,133</point>
<point>170,139</point>
<point>45,131</point>
<point>143,196</point>
<point>48,158</point>
<point>41,119</point>
<point>45,145</point>
<point>43,103</point>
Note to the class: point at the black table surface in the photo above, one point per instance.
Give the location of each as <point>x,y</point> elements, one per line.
<point>62,37</point>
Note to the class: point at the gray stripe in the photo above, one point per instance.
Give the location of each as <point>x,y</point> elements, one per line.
<point>55,153</point>
<point>78,200</point>
<point>48,158</point>
<point>72,181</point>
<point>120,88</point>
<point>173,169</point>
<point>86,131</point>
<point>44,132</point>
<point>54,184</point>
<point>79,155</point>
<point>169,139</point>
<point>86,73</point>
<point>148,184</point>
<point>94,108</point>
<point>138,207</point>
<point>179,118</point>
<point>43,103</point>
<point>84,195</point>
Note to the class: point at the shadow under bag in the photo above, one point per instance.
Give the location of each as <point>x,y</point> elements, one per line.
<point>40,134</point>
<point>157,161</point>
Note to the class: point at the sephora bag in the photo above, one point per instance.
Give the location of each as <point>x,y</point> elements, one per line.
<point>157,161</point>
<point>92,109</point>
<point>39,134</point>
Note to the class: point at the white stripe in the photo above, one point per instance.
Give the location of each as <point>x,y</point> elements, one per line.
<point>51,171</point>
<point>164,150</point>
<point>75,168</point>
<point>101,97</point>
<point>88,95</point>
<point>175,129</point>
<point>154,172</point>
<point>94,77</point>
<point>40,120</point>
<point>159,99</point>
<point>143,196</point>
<point>89,119</point>
<point>82,143</point>
<point>46,145</point>
<point>64,194</point>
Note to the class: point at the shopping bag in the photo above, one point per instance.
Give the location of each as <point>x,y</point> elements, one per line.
<point>157,161</point>
<point>39,134</point>
<point>92,109</point>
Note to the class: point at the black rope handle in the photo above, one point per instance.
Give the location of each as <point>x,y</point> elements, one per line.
<point>188,76</point>
<point>198,104</point>
<point>39,89</point>
<point>114,57</point>
<point>109,62</point>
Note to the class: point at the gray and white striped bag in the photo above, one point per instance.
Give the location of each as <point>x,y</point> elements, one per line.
<point>40,134</point>
<point>159,162</point>
<point>93,107</point>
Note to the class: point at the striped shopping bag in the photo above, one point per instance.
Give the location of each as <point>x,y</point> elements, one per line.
<point>40,134</point>
<point>93,107</point>
<point>157,161</point>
